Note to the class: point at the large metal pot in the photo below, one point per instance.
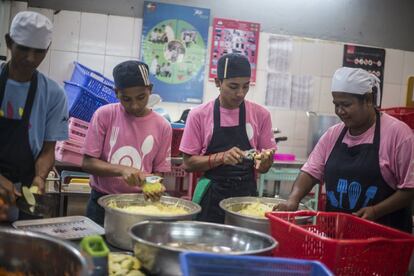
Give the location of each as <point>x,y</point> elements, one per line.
<point>318,125</point>
<point>233,205</point>
<point>117,222</point>
<point>39,254</point>
<point>158,244</point>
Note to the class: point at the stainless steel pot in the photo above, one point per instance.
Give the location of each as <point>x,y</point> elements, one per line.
<point>233,205</point>
<point>117,222</point>
<point>158,244</point>
<point>318,125</point>
<point>39,254</point>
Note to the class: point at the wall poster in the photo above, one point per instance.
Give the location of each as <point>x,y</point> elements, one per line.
<point>174,43</point>
<point>232,36</point>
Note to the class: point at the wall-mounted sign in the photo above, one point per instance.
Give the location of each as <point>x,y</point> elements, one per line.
<point>232,36</point>
<point>367,58</point>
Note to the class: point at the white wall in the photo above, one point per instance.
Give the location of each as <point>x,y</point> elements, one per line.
<point>102,41</point>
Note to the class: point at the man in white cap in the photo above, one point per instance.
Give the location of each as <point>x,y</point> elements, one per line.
<point>366,161</point>
<point>33,109</point>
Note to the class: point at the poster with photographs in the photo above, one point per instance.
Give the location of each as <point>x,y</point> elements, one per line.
<point>232,36</point>
<point>174,45</point>
<point>367,58</point>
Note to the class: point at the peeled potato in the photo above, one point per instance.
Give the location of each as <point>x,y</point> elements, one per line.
<point>152,187</point>
<point>122,264</point>
<point>28,196</point>
<point>34,189</point>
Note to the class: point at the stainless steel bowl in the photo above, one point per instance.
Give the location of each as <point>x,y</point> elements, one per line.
<point>158,244</point>
<point>39,254</point>
<point>117,222</point>
<point>233,205</point>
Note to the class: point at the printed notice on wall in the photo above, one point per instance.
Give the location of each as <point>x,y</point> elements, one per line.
<point>278,90</point>
<point>280,53</point>
<point>302,87</point>
<point>289,91</point>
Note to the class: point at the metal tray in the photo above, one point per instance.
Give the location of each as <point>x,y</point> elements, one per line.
<point>68,228</point>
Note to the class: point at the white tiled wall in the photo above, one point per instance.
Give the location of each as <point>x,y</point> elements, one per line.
<point>101,41</point>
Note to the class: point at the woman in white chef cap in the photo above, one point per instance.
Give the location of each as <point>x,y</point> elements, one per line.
<point>366,161</point>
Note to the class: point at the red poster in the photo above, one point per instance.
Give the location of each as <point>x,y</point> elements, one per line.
<point>232,36</point>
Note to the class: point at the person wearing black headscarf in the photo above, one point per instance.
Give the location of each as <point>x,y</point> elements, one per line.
<point>219,134</point>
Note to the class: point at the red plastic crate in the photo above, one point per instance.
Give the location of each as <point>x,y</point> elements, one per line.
<point>405,114</point>
<point>177,134</point>
<point>346,244</point>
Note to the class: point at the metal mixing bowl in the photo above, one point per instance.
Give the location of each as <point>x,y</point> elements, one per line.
<point>117,222</point>
<point>233,205</point>
<point>158,244</point>
<point>39,254</point>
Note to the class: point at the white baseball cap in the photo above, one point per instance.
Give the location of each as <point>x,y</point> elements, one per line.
<point>355,81</point>
<point>31,29</point>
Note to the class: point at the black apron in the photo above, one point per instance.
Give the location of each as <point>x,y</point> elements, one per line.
<point>226,180</point>
<point>354,181</point>
<point>16,158</point>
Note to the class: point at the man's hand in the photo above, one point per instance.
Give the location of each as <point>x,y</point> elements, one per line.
<point>40,182</point>
<point>289,205</point>
<point>156,195</point>
<point>133,176</point>
<point>233,156</point>
<point>8,195</point>
<point>264,160</point>
<point>4,209</point>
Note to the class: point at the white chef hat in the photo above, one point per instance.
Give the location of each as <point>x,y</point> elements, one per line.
<point>31,29</point>
<point>355,81</point>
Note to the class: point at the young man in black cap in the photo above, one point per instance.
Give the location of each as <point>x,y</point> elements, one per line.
<point>218,134</point>
<point>126,141</point>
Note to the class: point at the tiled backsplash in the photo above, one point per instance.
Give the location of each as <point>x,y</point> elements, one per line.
<point>101,41</point>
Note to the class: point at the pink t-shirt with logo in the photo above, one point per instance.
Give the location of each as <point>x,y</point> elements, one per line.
<point>119,138</point>
<point>199,127</point>
<point>396,153</point>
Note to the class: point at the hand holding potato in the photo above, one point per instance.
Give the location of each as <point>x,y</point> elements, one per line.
<point>264,160</point>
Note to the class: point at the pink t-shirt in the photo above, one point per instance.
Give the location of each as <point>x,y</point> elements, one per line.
<point>396,153</point>
<point>200,122</point>
<point>119,138</point>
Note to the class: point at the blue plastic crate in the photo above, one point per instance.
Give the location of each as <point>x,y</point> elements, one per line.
<point>94,81</point>
<point>206,264</point>
<point>82,102</point>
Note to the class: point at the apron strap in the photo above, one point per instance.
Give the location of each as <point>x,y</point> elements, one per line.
<point>3,80</point>
<point>377,133</point>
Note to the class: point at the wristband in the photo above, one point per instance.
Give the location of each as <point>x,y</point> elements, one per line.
<point>222,157</point>
<point>209,161</point>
